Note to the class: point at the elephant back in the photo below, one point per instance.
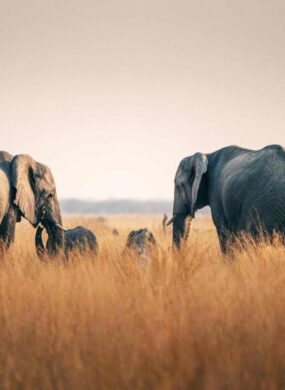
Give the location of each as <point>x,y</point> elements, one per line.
<point>5,157</point>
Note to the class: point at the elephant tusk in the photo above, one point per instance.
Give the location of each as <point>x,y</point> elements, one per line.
<point>60,227</point>
<point>171,220</point>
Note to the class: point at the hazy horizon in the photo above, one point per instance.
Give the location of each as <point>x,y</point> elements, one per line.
<point>113,94</point>
<point>93,199</point>
<point>116,206</point>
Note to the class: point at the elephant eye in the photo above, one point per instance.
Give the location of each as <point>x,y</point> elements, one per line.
<point>50,196</point>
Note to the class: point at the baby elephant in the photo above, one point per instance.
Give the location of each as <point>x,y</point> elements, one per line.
<point>79,238</point>
<point>141,242</point>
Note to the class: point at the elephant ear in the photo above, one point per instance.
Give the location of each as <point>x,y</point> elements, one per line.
<point>23,168</point>
<point>200,165</point>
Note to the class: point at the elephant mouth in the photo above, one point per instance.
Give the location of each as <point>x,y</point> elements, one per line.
<point>46,221</point>
<point>51,226</point>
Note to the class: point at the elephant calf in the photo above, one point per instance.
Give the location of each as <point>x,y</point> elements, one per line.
<point>79,238</point>
<point>141,242</point>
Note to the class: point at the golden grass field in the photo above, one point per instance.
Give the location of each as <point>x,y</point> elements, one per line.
<point>190,320</point>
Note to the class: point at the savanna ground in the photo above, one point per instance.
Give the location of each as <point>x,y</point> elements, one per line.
<point>189,320</point>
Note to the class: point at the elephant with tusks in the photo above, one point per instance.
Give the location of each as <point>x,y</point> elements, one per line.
<point>244,188</point>
<point>27,189</point>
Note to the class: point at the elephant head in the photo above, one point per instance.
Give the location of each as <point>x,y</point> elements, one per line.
<point>35,196</point>
<point>141,241</point>
<point>188,196</point>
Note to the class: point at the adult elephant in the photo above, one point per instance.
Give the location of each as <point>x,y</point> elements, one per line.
<point>245,190</point>
<point>27,189</point>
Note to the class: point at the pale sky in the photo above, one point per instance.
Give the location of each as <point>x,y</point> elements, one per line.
<point>112,94</point>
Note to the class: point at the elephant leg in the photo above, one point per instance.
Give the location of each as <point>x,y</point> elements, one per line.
<point>282,234</point>
<point>8,226</point>
<point>224,235</point>
<point>223,243</point>
<point>225,240</point>
<point>7,230</point>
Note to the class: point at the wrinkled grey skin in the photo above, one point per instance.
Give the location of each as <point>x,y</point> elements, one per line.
<point>141,242</point>
<point>79,238</point>
<point>245,190</point>
<point>27,189</point>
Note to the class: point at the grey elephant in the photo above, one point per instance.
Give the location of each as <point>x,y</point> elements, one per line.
<point>245,190</point>
<point>27,189</point>
<point>141,242</point>
<point>78,238</point>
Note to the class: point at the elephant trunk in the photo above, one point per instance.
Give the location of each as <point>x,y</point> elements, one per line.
<point>180,213</point>
<point>40,248</point>
<point>178,229</point>
<point>55,242</point>
<point>52,223</point>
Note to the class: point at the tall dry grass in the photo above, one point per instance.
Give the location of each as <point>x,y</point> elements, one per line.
<point>190,320</point>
